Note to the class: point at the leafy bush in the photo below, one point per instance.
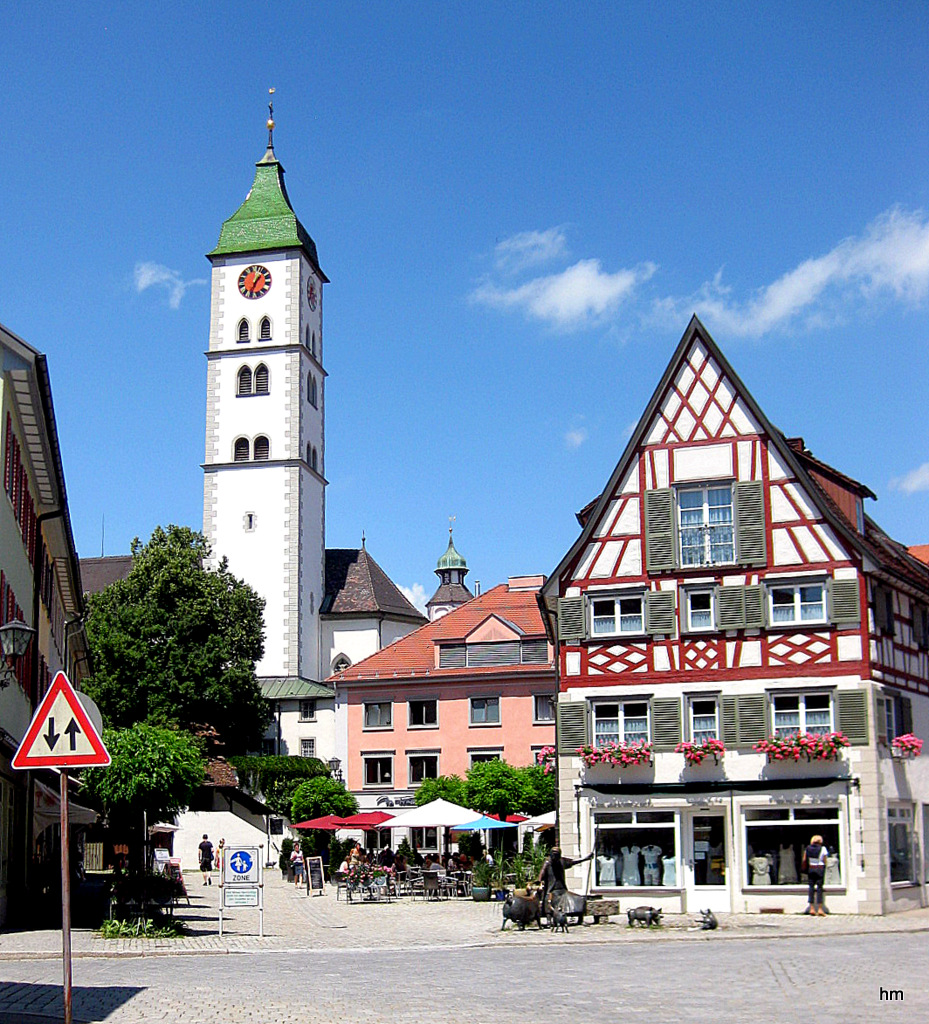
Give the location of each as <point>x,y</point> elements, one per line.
<point>318,797</point>
<point>274,778</point>
<point>160,927</point>
<point>287,848</point>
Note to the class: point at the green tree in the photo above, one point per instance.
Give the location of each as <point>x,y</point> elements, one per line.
<point>445,787</point>
<point>494,787</point>
<point>538,790</point>
<point>274,778</point>
<point>153,769</point>
<point>175,643</point>
<point>318,797</point>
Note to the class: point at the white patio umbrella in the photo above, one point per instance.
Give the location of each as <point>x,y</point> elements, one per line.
<point>436,814</point>
<point>541,822</point>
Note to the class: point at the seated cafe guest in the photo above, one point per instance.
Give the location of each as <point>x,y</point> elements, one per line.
<point>429,864</point>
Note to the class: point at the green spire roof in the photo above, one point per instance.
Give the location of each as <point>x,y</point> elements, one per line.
<point>266,219</point>
<point>451,559</point>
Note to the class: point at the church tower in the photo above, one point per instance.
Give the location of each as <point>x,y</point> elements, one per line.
<point>264,497</point>
<point>452,591</point>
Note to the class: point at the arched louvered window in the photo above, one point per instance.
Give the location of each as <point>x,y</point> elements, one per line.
<point>313,345</point>
<point>262,449</point>
<point>311,392</point>
<point>314,460</point>
<point>244,381</point>
<point>243,330</point>
<point>261,379</point>
<point>264,329</point>
<point>307,338</point>
<point>309,450</point>
<point>241,449</point>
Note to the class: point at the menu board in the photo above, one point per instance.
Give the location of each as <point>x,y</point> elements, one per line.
<point>315,880</point>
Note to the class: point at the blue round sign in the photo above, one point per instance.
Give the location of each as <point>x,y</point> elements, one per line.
<point>240,862</point>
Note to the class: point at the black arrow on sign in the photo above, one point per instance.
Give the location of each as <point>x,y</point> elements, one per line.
<point>51,737</point>
<point>73,730</point>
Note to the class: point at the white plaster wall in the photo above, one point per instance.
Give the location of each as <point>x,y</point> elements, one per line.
<point>355,638</point>
<point>323,729</point>
<point>217,825</point>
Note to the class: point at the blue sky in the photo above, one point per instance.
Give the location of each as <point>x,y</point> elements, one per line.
<point>519,205</point>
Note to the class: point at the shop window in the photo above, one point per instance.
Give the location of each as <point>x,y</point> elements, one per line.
<point>795,605</point>
<point>423,766</point>
<point>426,840</point>
<point>704,719</point>
<point>626,722</point>
<point>611,616</point>
<point>802,713</point>
<point>378,770</point>
<point>378,715</point>
<point>699,610</point>
<point>423,714</point>
<point>543,710</point>
<point>636,848</point>
<point>705,525</point>
<point>308,711</point>
<point>308,748</point>
<point>900,839</point>
<point>485,710</point>
<point>775,838</point>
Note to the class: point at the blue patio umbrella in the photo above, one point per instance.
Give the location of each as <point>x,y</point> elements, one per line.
<point>482,823</point>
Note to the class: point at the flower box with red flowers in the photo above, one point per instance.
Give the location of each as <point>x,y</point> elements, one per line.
<point>545,759</point>
<point>813,746</point>
<point>616,755</point>
<point>696,753</point>
<point>907,745</point>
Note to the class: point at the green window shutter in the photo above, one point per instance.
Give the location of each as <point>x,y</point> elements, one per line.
<point>844,602</point>
<point>852,708</point>
<point>750,527</point>
<point>730,722</point>
<point>659,612</point>
<point>666,723</point>
<point>754,600</point>
<point>884,609</point>
<point>752,710</point>
<point>571,726</point>
<point>571,618</point>
<point>730,608</point>
<point>906,715</point>
<point>659,530</point>
<point>881,721</point>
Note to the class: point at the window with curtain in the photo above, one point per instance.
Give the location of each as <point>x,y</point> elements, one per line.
<point>705,525</point>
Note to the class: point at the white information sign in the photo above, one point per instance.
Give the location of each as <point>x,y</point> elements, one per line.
<point>241,896</point>
<point>241,865</point>
<point>241,884</point>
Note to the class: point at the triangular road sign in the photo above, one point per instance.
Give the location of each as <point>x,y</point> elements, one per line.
<point>61,735</point>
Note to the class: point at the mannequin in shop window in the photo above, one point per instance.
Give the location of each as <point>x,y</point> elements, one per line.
<point>787,866</point>
<point>833,874</point>
<point>606,870</point>
<point>670,870</point>
<point>761,870</point>
<point>652,872</point>
<point>631,874</point>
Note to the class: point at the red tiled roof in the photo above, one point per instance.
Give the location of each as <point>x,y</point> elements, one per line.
<point>920,551</point>
<point>415,653</point>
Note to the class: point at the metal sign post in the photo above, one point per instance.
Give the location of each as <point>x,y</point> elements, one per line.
<point>76,744</point>
<point>242,883</point>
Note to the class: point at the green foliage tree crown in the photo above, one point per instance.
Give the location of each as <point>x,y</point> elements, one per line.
<point>446,787</point>
<point>317,797</point>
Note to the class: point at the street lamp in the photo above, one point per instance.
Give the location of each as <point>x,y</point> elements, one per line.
<point>335,769</point>
<point>14,642</point>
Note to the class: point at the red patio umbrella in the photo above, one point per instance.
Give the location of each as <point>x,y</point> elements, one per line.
<point>366,819</point>
<point>328,823</point>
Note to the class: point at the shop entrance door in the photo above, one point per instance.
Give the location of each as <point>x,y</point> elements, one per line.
<point>707,873</point>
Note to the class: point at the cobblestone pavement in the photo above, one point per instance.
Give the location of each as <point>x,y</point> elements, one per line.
<point>790,978</point>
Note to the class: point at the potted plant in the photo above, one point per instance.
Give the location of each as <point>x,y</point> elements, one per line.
<point>697,753</point>
<point>813,746</point>
<point>481,877</point>
<point>498,874</point>
<point>907,745</point>
<point>617,755</point>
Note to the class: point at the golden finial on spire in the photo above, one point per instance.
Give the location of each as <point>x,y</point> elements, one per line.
<point>271,120</point>
<point>451,520</point>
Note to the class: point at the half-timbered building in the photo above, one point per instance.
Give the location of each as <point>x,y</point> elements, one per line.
<point>740,650</point>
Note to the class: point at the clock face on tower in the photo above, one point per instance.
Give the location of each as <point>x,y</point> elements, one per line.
<point>254,281</point>
<point>311,293</point>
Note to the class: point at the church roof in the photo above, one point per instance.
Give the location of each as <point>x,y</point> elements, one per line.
<point>266,220</point>
<point>98,573</point>
<point>450,593</point>
<point>357,585</point>
<point>284,687</point>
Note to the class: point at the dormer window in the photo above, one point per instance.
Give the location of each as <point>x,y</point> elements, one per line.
<point>705,525</point>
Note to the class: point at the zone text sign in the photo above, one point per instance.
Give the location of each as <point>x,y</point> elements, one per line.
<point>241,896</point>
<point>60,734</point>
<point>242,865</point>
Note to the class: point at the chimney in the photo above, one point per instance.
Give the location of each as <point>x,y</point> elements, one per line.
<point>477,588</point>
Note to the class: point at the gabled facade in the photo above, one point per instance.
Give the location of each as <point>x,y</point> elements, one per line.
<point>726,584</point>
<point>475,685</point>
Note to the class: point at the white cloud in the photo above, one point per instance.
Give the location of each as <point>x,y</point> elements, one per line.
<point>890,257</point>
<point>575,437</point>
<point>581,295</point>
<point>529,249</point>
<point>416,595</point>
<point>151,275</point>
<point>914,481</point>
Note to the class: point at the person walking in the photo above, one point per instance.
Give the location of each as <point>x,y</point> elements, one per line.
<point>296,862</point>
<point>814,863</point>
<point>206,859</point>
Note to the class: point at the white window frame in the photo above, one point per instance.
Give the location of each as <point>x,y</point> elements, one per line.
<point>308,705</point>
<point>485,724</point>
<point>706,526</point>
<point>802,712</point>
<point>543,700</point>
<point>365,758</point>
<point>367,727</point>
<point>420,838</point>
<point>413,755</point>
<point>797,587</point>
<point>311,740</point>
<point>409,713</point>
<point>621,716</point>
<point>903,814</point>
<point>709,698</point>
<point>484,755</point>
<point>689,593</point>
<point>618,600</point>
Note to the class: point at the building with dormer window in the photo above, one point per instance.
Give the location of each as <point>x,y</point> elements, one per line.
<point>728,590</point>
